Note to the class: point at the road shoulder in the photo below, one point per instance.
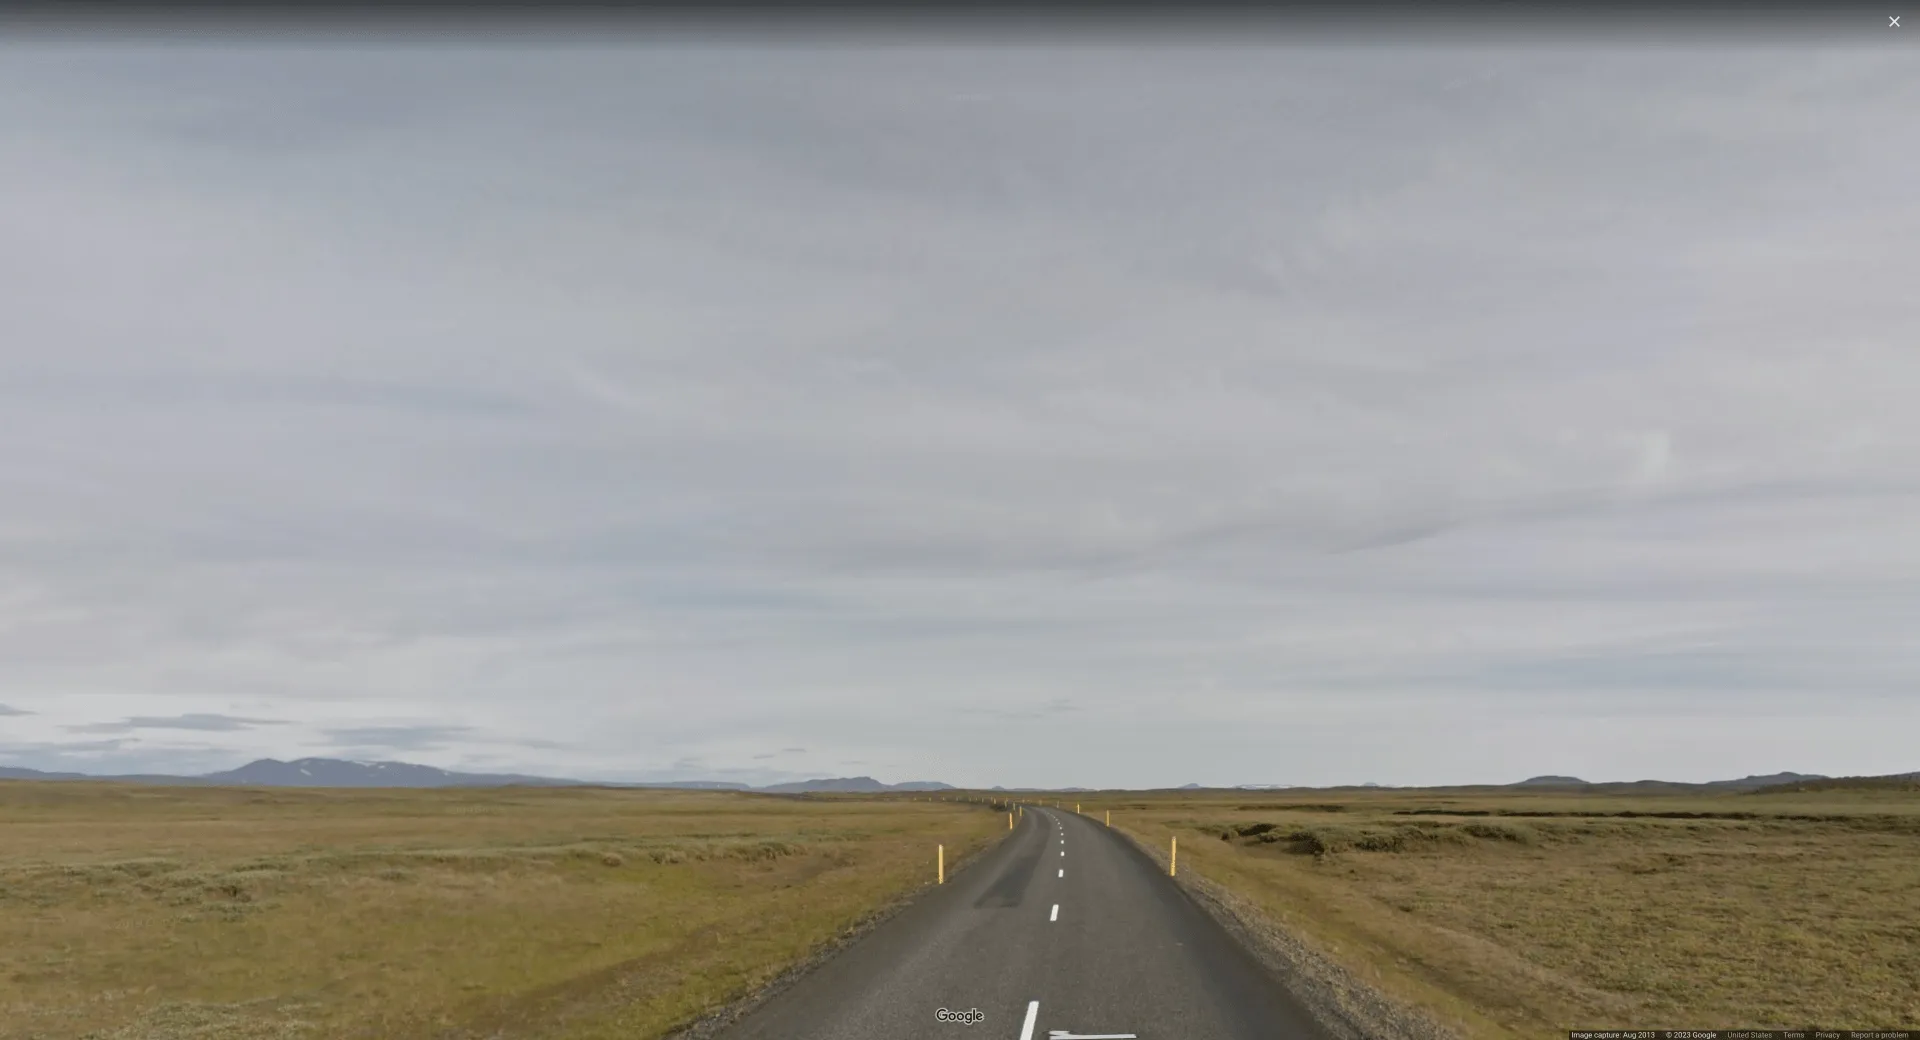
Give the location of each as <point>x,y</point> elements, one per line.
<point>1339,1000</point>
<point>716,1021</point>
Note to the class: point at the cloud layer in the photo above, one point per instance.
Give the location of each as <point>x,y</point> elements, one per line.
<point>1124,414</point>
<point>201,721</point>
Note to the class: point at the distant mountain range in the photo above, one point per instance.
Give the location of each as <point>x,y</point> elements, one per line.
<point>334,772</point>
<point>853,784</point>
<point>313,772</point>
<point>1745,783</point>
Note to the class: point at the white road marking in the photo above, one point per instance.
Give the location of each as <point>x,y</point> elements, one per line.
<point>1063,872</point>
<point>1063,852</point>
<point>1033,1012</point>
<point>1061,1034</point>
<point>1056,913</point>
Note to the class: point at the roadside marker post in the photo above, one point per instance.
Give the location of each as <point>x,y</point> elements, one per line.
<point>1009,821</point>
<point>943,864</point>
<point>1109,817</point>
<point>1173,859</point>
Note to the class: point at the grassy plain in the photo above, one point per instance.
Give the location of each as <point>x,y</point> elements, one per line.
<point>1517,914</point>
<point>183,913</point>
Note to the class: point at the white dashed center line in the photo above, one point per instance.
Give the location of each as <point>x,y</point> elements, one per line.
<point>1033,1012</point>
<point>1063,872</point>
<point>1056,913</point>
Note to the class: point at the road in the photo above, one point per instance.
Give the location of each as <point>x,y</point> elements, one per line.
<point>1063,931</point>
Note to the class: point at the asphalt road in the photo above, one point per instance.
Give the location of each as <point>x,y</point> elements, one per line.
<point>1097,942</point>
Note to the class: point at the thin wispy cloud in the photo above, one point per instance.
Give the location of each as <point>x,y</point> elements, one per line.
<point>397,738</point>
<point>204,722</point>
<point>61,748</point>
<point>1050,709</point>
<point>1111,414</point>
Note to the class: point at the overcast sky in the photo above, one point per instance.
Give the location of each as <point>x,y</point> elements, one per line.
<point>1116,414</point>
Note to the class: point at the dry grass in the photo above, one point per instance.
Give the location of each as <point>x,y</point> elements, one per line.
<point>233,914</point>
<point>1521,915</point>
